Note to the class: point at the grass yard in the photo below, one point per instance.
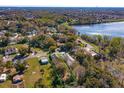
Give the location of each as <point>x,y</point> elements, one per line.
<point>32,74</point>
<point>6,84</point>
<point>47,75</point>
<point>18,46</point>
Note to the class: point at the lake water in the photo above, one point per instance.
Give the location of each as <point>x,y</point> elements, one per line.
<point>115,29</point>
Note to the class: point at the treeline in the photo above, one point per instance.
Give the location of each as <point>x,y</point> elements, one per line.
<point>110,48</point>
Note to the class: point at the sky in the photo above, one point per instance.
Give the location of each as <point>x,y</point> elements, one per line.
<point>63,3</point>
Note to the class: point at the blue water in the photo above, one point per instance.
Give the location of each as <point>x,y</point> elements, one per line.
<point>115,29</point>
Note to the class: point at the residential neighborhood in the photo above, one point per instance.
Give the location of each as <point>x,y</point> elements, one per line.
<point>42,49</point>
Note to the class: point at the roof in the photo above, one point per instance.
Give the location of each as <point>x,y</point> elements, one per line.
<point>17,77</point>
<point>3,77</point>
<point>44,60</point>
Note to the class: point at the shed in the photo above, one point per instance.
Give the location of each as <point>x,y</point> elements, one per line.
<point>3,77</point>
<point>44,60</point>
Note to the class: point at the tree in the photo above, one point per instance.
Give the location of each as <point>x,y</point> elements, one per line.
<point>9,64</point>
<point>48,42</point>
<point>20,67</point>
<point>96,77</point>
<point>61,69</point>
<point>52,48</point>
<point>23,41</point>
<point>72,38</point>
<point>69,46</point>
<point>79,73</point>
<point>114,48</point>
<point>23,51</point>
<point>93,83</point>
<point>4,41</point>
<point>82,57</point>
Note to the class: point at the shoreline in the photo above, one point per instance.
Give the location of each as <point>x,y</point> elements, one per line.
<point>97,33</point>
<point>113,21</point>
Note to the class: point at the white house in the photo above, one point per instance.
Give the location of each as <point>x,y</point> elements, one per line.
<point>44,60</point>
<point>3,77</point>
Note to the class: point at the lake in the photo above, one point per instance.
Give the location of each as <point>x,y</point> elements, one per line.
<point>115,29</point>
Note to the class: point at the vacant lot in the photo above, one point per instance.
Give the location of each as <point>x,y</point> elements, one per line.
<point>32,74</point>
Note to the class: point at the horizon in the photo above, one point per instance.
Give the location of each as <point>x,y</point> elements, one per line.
<point>63,3</point>
<point>65,6</point>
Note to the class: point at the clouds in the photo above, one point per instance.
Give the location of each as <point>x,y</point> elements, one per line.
<point>64,3</point>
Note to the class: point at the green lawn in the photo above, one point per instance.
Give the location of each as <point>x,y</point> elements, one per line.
<point>47,75</point>
<point>32,74</point>
<point>18,46</point>
<point>6,84</point>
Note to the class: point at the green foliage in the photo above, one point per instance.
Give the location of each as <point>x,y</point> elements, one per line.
<point>52,48</point>
<point>20,67</point>
<point>23,51</point>
<point>4,41</point>
<point>69,45</point>
<point>96,77</point>
<point>9,64</point>
<point>48,42</point>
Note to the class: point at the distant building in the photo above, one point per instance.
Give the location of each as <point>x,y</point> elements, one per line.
<point>61,38</point>
<point>2,34</point>
<point>6,59</point>
<point>14,38</point>
<point>51,29</point>
<point>9,51</point>
<point>31,33</point>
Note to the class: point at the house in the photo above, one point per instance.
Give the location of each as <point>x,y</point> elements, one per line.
<point>51,29</point>
<point>68,59</point>
<point>62,38</point>
<point>90,52</point>
<point>76,48</point>
<point>31,33</point>
<point>14,38</point>
<point>18,82</point>
<point>64,56</point>
<point>44,60</point>
<point>6,59</point>
<point>17,79</point>
<point>3,77</point>
<point>2,34</point>
<point>10,50</point>
<point>93,53</point>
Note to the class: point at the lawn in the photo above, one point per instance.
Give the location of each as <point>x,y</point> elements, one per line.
<point>32,74</point>
<point>18,46</point>
<point>6,84</point>
<point>47,75</point>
